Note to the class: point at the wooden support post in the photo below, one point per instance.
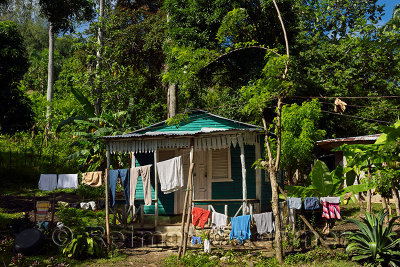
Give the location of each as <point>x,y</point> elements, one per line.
<point>189,215</point>
<point>133,165</point>
<point>186,208</point>
<point>244,181</point>
<point>53,208</point>
<point>106,181</point>
<point>156,187</point>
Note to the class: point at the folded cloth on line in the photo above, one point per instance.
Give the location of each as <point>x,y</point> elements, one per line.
<point>170,173</point>
<point>200,216</point>
<point>48,182</point>
<point>93,179</point>
<point>240,228</point>
<point>67,181</point>
<point>264,222</point>
<point>311,203</point>
<point>294,203</point>
<point>332,200</point>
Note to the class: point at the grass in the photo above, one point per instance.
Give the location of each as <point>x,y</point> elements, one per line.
<point>6,218</point>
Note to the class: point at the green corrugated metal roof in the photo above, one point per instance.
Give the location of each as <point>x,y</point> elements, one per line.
<point>196,121</point>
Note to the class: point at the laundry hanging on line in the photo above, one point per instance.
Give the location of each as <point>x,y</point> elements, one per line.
<point>311,203</point>
<point>200,216</point>
<point>124,175</point>
<point>48,182</point>
<point>265,222</point>
<point>170,174</point>
<point>93,179</point>
<point>240,228</point>
<point>67,181</point>
<point>219,221</point>
<point>144,172</point>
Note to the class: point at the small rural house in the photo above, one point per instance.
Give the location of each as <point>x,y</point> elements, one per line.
<point>224,151</point>
<point>335,158</point>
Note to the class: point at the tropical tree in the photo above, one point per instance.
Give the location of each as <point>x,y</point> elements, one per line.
<point>61,16</point>
<point>299,134</point>
<point>15,109</point>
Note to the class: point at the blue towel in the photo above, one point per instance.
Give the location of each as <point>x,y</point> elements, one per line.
<point>196,239</point>
<point>240,228</point>
<point>114,174</point>
<point>311,203</point>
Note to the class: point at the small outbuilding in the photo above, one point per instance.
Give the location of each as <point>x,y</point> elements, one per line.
<point>223,151</point>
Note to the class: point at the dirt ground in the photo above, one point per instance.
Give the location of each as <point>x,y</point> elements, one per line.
<point>139,257</point>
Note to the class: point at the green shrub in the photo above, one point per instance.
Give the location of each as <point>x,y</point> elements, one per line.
<point>85,246</point>
<point>373,243</point>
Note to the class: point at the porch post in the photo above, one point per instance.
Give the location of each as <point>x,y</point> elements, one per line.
<point>244,182</point>
<point>258,176</point>
<point>156,186</point>
<point>191,157</point>
<point>106,178</point>
<point>133,165</point>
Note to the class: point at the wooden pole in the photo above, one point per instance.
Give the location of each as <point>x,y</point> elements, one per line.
<point>106,180</point>
<point>244,181</point>
<point>189,215</point>
<point>156,187</point>
<point>185,207</point>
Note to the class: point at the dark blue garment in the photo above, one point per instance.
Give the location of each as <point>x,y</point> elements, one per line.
<point>311,203</point>
<point>124,175</point>
<point>240,228</point>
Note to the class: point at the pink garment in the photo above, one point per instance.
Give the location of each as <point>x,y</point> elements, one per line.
<point>330,211</point>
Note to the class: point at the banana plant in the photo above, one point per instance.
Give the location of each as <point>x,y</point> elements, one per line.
<point>89,128</point>
<point>325,183</point>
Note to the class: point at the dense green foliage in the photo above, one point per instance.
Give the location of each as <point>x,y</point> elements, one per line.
<point>373,243</point>
<point>325,183</point>
<point>299,134</point>
<point>15,111</point>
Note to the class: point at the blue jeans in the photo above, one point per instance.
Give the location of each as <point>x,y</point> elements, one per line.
<point>124,175</point>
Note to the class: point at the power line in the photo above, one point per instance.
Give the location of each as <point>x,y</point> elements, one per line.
<point>360,106</point>
<point>348,97</point>
<point>357,117</point>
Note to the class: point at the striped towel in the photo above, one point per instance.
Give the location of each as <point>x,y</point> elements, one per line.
<point>330,211</point>
<point>42,208</point>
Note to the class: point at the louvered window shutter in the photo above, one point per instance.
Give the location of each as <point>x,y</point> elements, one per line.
<point>220,164</point>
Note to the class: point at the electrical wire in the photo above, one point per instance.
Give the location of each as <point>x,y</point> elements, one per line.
<point>348,97</point>
<point>360,106</point>
<point>356,117</point>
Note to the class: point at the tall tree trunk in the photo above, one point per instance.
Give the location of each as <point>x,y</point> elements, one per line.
<point>172,101</point>
<point>99,52</point>
<point>369,207</point>
<point>385,208</point>
<point>395,194</point>
<point>50,76</point>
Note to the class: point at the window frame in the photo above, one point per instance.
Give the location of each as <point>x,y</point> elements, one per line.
<point>229,176</point>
